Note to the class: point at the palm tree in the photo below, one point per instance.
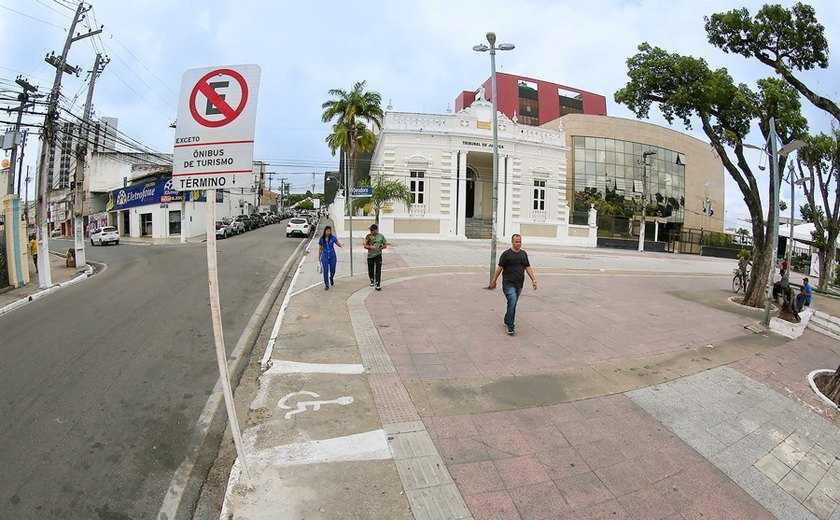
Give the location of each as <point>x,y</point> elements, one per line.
<point>352,112</point>
<point>384,190</point>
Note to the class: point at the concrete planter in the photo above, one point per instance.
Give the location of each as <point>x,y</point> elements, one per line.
<point>816,390</point>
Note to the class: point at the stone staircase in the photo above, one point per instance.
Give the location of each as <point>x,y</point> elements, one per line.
<point>825,324</point>
<point>479,228</point>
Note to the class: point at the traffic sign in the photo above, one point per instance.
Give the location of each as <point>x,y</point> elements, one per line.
<point>214,136</point>
<point>361,191</point>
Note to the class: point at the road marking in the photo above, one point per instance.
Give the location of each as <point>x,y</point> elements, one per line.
<point>301,406</point>
<point>178,484</point>
<point>295,367</point>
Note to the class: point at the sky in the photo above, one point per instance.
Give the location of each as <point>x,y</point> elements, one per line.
<point>417,55</point>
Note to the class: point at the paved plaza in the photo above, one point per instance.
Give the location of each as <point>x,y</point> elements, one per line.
<point>631,390</point>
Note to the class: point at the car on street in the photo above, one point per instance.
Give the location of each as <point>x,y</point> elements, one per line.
<point>236,226</point>
<point>298,226</point>
<point>104,235</point>
<point>223,230</point>
<point>246,221</point>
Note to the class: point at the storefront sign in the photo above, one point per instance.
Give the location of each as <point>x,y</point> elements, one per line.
<point>479,144</point>
<point>158,191</point>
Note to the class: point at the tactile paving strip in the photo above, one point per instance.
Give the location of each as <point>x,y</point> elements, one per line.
<point>428,485</point>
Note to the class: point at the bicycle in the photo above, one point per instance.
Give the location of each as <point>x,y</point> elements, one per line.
<point>738,282</point>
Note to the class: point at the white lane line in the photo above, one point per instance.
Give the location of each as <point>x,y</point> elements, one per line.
<point>294,367</point>
<point>178,484</point>
<point>265,362</point>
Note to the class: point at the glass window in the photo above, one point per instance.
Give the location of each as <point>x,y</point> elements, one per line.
<point>539,195</point>
<point>417,187</point>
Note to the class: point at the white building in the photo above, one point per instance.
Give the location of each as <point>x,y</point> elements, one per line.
<point>446,160</point>
<point>133,192</point>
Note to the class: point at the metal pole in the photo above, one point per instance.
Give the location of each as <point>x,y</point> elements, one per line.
<point>774,236</point>
<point>645,156</point>
<point>495,158</point>
<point>349,191</point>
<point>218,333</point>
<point>20,160</point>
<point>790,241</point>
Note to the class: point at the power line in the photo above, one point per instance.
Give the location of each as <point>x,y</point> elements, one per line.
<point>32,17</point>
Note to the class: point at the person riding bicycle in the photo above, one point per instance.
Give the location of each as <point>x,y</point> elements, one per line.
<point>744,264</point>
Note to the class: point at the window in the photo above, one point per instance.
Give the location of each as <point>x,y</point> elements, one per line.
<point>417,187</point>
<point>175,222</point>
<point>539,195</point>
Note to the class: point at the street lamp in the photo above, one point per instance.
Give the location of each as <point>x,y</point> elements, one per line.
<point>645,155</point>
<point>798,182</point>
<point>491,39</point>
<point>775,152</point>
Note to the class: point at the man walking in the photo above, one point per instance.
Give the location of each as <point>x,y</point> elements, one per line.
<point>514,264</point>
<point>375,242</point>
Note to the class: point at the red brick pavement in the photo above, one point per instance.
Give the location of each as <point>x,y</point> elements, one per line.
<point>785,369</point>
<point>598,458</point>
<point>440,327</point>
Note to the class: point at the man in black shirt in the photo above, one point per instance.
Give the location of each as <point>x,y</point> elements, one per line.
<point>514,264</point>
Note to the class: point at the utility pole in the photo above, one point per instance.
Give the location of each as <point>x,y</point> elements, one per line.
<point>48,141</point>
<point>20,160</point>
<point>81,156</point>
<point>23,97</point>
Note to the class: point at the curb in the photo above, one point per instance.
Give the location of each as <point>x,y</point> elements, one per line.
<point>49,290</point>
<point>816,390</point>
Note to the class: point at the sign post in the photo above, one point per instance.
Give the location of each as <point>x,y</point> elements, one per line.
<point>214,145</point>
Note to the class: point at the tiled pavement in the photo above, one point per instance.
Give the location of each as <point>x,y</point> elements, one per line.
<point>779,452</point>
<point>606,457</point>
<point>598,458</point>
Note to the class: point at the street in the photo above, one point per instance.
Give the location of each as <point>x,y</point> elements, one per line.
<point>103,382</point>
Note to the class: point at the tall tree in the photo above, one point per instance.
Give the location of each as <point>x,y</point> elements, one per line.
<point>819,164</point>
<point>351,112</point>
<point>786,40</point>
<point>684,87</point>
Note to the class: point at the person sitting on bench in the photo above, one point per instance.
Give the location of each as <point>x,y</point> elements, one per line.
<point>780,286</point>
<point>804,296</point>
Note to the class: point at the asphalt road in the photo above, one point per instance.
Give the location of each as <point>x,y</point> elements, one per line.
<point>101,383</point>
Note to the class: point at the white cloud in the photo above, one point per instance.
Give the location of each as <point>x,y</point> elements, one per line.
<point>416,54</point>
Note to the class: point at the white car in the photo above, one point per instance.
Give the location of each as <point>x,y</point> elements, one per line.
<point>223,230</point>
<point>298,226</point>
<point>104,235</point>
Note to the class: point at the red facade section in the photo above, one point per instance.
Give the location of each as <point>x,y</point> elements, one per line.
<point>548,97</point>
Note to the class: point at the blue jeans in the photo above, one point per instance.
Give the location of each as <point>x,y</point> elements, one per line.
<point>328,267</point>
<point>512,295</point>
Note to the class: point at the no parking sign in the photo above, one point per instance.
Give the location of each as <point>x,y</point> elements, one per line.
<point>214,139</point>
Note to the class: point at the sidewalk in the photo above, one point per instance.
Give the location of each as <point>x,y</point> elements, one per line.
<point>60,275</point>
<point>631,390</point>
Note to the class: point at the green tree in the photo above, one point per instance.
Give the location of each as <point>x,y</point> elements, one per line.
<point>819,164</point>
<point>351,112</point>
<point>786,40</point>
<point>384,190</point>
<point>686,88</point>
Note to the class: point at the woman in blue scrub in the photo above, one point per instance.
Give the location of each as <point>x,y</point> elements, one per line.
<point>326,255</point>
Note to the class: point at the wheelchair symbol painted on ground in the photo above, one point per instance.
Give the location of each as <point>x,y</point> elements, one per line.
<point>302,406</point>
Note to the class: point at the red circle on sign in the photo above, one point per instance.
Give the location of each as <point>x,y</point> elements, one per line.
<point>227,111</point>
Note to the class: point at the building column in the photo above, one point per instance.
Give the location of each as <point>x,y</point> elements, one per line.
<point>461,215</point>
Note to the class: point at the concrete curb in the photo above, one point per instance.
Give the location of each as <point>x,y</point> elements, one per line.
<point>816,390</point>
<point>49,290</point>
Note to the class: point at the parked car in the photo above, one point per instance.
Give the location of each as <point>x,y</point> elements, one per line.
<point>246,222</point>
<point>258,221</point>
<point>236,227</point>
<point>104,235</point>
<point>298,226</point>
<point>223,230</point>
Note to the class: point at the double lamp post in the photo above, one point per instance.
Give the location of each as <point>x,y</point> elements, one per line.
<point>491,39</point>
